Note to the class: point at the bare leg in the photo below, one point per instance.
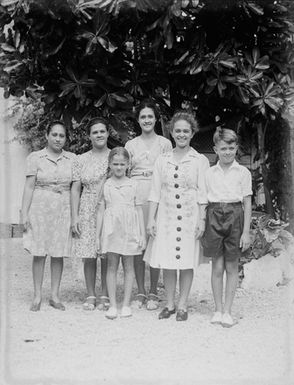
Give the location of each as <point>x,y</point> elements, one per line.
<point>170,282</point>
<point>90,270</point>
<point>139,266</point>
<point>186,278</point>
<point>38,275</point>
<point>154,276</point>
<point>231,284</point>
<point>217,274</point>
<point>103,277</point>
<point>128,265</point>
<point>56,274</point>
<point>112,267</point>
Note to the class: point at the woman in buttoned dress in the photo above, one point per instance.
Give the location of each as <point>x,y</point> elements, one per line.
<point>144,150</point>
<point>177,213</point>
<point>46,211</point>
<point>89,175</point>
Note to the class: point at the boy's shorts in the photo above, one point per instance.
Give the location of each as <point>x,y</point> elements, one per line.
<point>223,230</point>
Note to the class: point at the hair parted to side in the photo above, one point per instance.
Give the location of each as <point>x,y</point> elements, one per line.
<point>227,135</point>
<point>184,115</point>
<point>147,103</point>
<point>97,120</point>
<point>56,123</point>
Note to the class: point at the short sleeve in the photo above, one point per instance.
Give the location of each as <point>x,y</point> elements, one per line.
<point>156,180</point>
<point>76,168</point>
<point>32,164</point>
<point>202,191</point>
<point>246,182</point>
<point>167,146</point>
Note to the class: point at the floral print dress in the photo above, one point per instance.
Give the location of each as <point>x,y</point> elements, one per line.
<point>92,174</point>
<point>49,212</point>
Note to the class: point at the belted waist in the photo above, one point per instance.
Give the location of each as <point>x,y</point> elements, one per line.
<point>145,174</point>
<point>119,204</point>
<point>59,189</point>
<point>224,204</point>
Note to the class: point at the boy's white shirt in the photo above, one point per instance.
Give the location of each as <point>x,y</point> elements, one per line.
<point>229,186</point>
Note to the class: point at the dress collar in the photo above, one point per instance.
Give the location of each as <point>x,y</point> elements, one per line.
<point>192,153</point>
<point>45,154</point>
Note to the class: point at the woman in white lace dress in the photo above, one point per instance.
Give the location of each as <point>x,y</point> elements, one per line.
<point>144,151</point>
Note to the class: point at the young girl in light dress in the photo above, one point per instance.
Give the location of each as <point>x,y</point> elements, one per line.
<point>120,229</point>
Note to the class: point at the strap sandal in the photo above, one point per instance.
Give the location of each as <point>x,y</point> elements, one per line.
<point>90,303</point>
<point>103,303</point>
<point>139,301</point>
<point>152,302</point>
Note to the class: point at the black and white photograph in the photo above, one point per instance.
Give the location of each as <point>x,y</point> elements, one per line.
<point>147,192</point>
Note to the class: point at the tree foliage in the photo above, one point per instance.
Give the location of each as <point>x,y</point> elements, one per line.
<point>231,62</point>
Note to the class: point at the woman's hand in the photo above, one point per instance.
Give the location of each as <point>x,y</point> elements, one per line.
<point>97,246</point>
<point>26,223</point>
<point>142,242</point>
<point>151,228</point>
<point>75,227</point>
<point>199,231</point>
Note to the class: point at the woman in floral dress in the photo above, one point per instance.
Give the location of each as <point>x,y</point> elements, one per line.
<point>89,175</point>
<point>46,211</point>
<point>144,150</point>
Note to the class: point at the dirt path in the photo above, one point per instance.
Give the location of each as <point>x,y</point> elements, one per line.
<point>77,347</point>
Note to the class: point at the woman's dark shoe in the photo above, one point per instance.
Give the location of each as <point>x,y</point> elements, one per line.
<point>165,313</point>
<point>56,305</point>
<point>35,306</point>
<point>182,315</point>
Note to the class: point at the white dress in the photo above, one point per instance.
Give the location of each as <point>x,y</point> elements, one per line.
<point>121,226</point>
<point>178,188</point>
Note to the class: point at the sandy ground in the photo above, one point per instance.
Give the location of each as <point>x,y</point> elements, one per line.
<point>78,347</point>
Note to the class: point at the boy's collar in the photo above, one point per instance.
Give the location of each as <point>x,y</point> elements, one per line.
<point>235,164</point>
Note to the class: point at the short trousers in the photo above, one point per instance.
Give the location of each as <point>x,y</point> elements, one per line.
<point>223,230</point>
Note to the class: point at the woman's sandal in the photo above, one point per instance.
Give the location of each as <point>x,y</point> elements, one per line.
<point>90,303</point>
<point>103,303</point>
<point>139,301</point>
<point>152,302</point>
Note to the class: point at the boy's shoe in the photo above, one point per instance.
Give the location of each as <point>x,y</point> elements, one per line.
<point>126,311</point>
<point>227,320</point>
<point>182,315</point>
<point>216,318</point>
<point>111,313</point>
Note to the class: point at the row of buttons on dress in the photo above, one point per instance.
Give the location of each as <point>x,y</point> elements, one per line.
<point>179,217</point>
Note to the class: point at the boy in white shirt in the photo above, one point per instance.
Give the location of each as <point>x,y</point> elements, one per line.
<point>229,190</point>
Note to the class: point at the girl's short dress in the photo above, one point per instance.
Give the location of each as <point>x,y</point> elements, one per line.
<point>178,188</point>
<point>92,174</point>
<point>142,163</point>
<point>121,226</point>
<point>49,212</point>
